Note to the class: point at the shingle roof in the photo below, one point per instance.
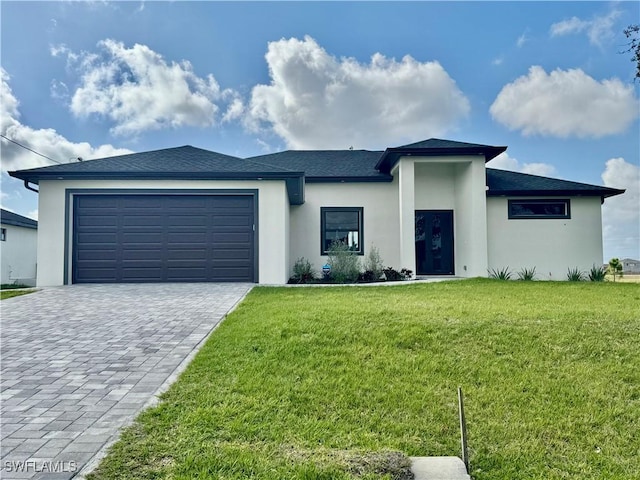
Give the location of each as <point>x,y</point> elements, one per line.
<point>435,147</point>
<point>10,218</point>
<point>440,143</point>
<point>188,162</point>
<point>180,163</point>
<point>504,182</point>
<point>321,165</point>
<point>186,159</point>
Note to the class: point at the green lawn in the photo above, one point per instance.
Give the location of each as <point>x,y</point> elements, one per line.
<point>310,383</point>
<point>13,293</point>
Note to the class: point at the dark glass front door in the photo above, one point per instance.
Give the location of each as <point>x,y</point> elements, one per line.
<point>434,242</point>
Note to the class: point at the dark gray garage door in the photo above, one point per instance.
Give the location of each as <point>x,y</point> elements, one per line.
<point>163,238</point>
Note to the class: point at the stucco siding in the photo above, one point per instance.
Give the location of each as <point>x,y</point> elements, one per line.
<point>272,222</point>
<point>456,183</point>
<point>380,218</point>
<point>552,246</point>
<point>19,255</point>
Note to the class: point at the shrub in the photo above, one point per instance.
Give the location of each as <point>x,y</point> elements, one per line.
<point>575,275</point>
<point>368,276</point>
<point>500,273</point>
<point>392,275</point>
<point>373,263</point>
<point>615,268</point>
<point>527,274</point>
<point>302,271</point>
<point>597,274</point>
<point>345,264</point>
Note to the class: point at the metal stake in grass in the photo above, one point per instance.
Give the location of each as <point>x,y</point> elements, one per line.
<point>463,430</point>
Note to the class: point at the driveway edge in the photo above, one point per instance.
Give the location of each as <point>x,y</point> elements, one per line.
<point>94,461</point>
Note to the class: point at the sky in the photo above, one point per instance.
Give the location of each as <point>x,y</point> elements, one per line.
<point>547,79</point>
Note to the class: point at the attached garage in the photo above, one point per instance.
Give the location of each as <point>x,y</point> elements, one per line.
<point>123,238</point>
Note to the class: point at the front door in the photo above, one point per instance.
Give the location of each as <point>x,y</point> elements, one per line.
<point>434,242</point>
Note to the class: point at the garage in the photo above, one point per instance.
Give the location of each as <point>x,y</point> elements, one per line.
<point>119,238</point>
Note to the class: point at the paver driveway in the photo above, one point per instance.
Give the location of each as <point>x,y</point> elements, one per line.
<point>80,361</point>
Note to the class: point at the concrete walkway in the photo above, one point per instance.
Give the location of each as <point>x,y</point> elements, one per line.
<point>79,362</point>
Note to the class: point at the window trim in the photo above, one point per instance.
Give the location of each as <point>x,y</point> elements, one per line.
<point>359,210</point>
<point>565,216</point>
<point>3,234</point>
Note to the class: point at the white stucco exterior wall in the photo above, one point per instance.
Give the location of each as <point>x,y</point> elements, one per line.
<point>272,222</point>
<point>456,183</point>
<point>552,246</point>
<point>19,255</point>
<point>380,219</point>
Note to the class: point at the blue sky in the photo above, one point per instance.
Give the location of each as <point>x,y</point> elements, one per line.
<point>94,79</point>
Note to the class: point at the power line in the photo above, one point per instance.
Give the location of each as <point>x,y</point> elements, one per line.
<point>30,149</point>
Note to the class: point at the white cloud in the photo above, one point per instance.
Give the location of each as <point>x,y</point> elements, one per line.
<point>522,39</point>
<point>599,30</point>
<point>565,103</point>
<point>46,141</point>
<point>505,162</point>
<point>497,61</point>
<point>138,90</point>
<point>316,100</point>
<point>621,214</point>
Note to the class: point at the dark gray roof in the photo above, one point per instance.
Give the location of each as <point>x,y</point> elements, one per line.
<point>178,160</point>
<point>440,143</point>
<point>298,166</point>
<point>435,147</point>
<point>180,163</point>
<point>504,182</point>
<point>328,165</point>
<point>10,218</point>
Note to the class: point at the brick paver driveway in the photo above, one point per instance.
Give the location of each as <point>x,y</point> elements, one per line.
<point>79,362</point>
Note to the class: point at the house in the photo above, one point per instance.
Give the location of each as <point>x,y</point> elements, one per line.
<point>630,266</point>
<point>18,243</point>
<point>187,214</point>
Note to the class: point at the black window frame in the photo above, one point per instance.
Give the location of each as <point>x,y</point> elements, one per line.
<point>3,234</point>
<point>359,210</point>
<point>539,201</point>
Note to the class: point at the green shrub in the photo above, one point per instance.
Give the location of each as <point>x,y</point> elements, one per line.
<point>597,274</point>
<point>500,273</point>
<point>373,263</point>
<point>575,275</point>
<point>393,275</point>
<point>615,268</point>
<point>527,274</point>
<point>345,263</point>
<point>302,271</point>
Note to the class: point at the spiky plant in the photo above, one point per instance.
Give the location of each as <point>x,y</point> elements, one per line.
<point>500,273</point>
<point>528,274</point>
<point>575,275</point>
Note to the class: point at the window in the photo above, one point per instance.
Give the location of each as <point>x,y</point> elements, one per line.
<point>539,209</point>
<point>341,224</point>
<point>3,235</point>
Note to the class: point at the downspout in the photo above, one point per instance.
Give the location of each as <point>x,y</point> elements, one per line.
<point>26,185</point>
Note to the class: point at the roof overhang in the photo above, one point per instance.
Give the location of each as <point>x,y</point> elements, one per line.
<point>603,192</point>
<point>391,156</point>
<point>294,181</point>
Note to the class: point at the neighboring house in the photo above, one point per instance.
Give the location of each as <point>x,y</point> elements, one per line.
<point>187,214</point>
<point>19,243</point>
<point>630,266</point>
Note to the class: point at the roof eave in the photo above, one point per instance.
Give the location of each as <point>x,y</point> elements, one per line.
<point>602,192</point>
<point>391,155</point>
<point>359,179</point>
<point>294,181</point>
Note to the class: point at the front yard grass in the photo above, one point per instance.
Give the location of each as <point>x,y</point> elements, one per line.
<point>13,293</point>
<point>305,383</point>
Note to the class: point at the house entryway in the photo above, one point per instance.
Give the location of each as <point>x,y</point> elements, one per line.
<point>434,242</point>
